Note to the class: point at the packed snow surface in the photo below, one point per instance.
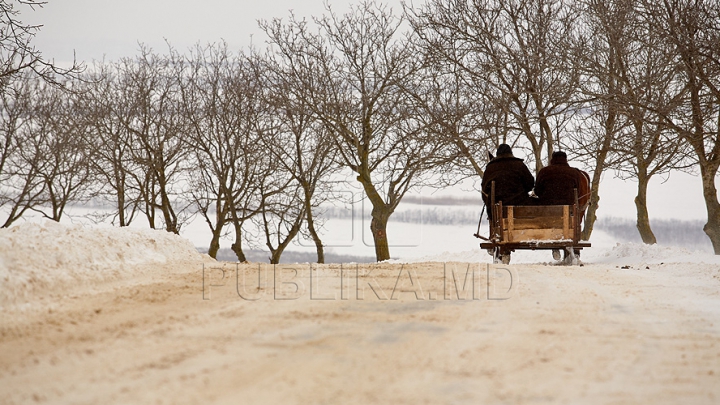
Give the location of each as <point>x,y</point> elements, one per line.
<point>37,259</point>
<point>124,316</point>
<point>603,251</point>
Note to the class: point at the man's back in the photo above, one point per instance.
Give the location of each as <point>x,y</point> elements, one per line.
<point>512,179</point>
<point>557,182</point>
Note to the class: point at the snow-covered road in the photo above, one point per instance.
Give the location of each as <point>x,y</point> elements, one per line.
<point>635,324</point>
<point>621,329</point>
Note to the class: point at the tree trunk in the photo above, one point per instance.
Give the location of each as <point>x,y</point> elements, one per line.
<point>120,189</point>
<point>121,205</point>
<point>214,244</point>
<point>380,214</point>
<point>378,227</point>
<point>311,227</point>
<point>11,217</point>
<point>316,238</point>
<point>590,216</point>
<point>216,228</point>
<point>591,213</point>
<point>237,246</point>
<point>643,219</point>
<point>167,210</point>
<point>150,198</point>
<point>277,252</point>
<point>150,213</point>
<point>712,227</point>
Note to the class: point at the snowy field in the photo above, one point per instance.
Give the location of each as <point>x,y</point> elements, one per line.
<point>678,197</point>
<point>117,316</point>
<point>347,237</point>
<point>38,260</point>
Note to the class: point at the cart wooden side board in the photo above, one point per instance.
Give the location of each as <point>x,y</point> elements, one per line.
<point>534,227</point>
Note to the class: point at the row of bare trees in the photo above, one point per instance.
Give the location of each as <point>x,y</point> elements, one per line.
<point>252,141</point>
<point>624,85</point>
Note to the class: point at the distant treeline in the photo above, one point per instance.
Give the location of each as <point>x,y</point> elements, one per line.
<point>436,215</point>
<point>669,232</point>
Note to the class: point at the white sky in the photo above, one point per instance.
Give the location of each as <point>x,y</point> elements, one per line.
<point>94,29</point>
<point>113,28</point>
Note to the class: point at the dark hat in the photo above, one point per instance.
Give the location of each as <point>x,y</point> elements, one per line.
<point>504,149</point>
<point>558,157</point>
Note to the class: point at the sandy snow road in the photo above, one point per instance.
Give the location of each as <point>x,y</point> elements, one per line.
<point>595,334</point>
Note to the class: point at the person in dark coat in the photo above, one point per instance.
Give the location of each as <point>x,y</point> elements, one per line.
<point>557,182</point>
<point>556,185</point>
<point>513,180</point>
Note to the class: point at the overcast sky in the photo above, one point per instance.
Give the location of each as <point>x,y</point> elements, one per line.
<point>112,28</point>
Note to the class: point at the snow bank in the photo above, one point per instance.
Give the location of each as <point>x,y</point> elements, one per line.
<point>37,260</point>
<point>604,250</point>
<point>638,253</point>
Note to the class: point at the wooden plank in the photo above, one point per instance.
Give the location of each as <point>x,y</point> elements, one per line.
<point>531,211</point>
<point>537,245</point>
<point>566,222</point>
<point>537,235</point>
<point>576,220</point>
<point>510,222</point>
<point>500,225</point>
<point>531,224</point>
<point>537,223</point>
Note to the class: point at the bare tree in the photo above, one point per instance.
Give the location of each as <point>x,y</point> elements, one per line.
<point>646,72</point>
<point>593,140</point>
<point>627,70</point>
<point>452,101</point>
<point>20,63</point>
<point>518,54</point>
<point>354,74</point>
<point>156,126</point>
<point>105,107</point>
<point>691,31</point>
<point>21,187</point>
<point>281,206</point>
<point>281,211</point>
<point>301,145</point>
<point>17,53</point>
<point>601,46</point>
<point>58,132</point>
<point>221,99</point>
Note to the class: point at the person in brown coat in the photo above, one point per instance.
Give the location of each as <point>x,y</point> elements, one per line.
<point>556,185</point>
<point>557,182</point>
<point>513,180</point>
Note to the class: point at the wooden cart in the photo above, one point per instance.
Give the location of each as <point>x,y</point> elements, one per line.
<point>534,227</point>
